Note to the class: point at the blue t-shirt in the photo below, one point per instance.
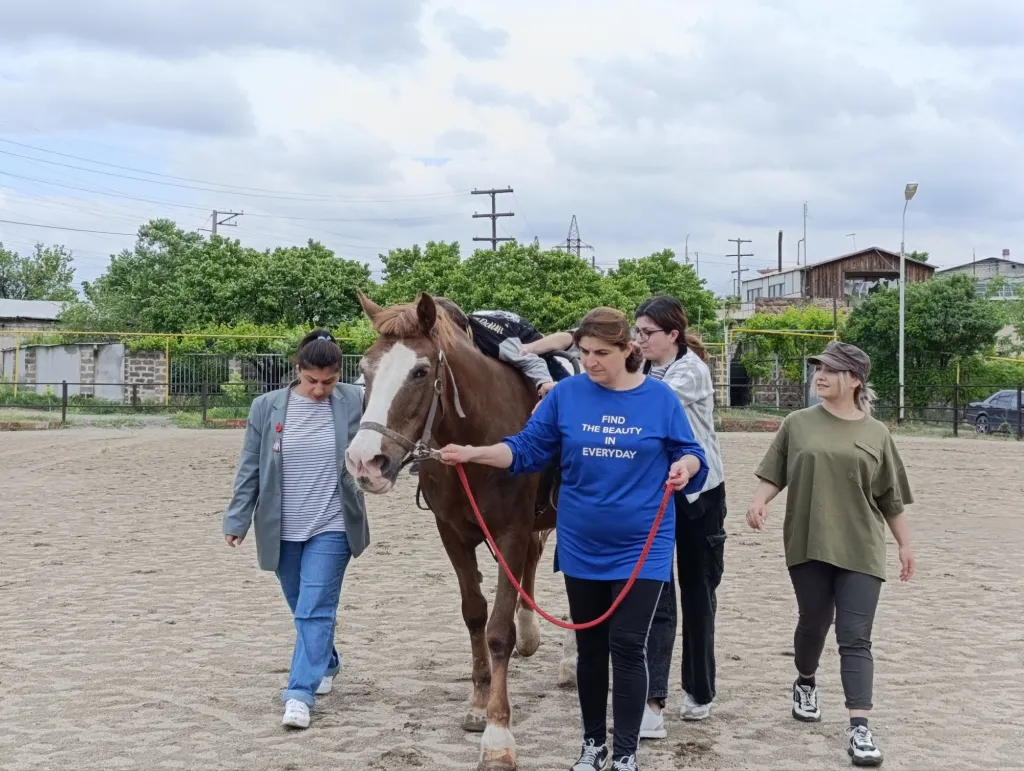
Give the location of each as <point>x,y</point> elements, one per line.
<point>615,448</point>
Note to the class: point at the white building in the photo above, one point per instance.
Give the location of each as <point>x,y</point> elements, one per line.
<point>988,269</point>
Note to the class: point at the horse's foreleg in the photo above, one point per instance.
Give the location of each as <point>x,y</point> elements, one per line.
<point>474,613</point>
<point>527,627</point>
<point>498,746</point>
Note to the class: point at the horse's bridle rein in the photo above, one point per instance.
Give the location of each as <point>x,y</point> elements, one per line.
<point>421,450</point>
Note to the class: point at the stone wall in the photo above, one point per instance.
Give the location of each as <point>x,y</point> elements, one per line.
<point>149,372</point>
<point>777,305</point>
<point>87,371</point>
<point>29,375</point>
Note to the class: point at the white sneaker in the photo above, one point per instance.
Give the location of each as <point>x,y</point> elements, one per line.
<point>691,710</point>
<point>862,749</point>
<point>592,757</point>
<point>296,714</point>
<point>325,686</point>
<point>653,724</point>
<point>805,703</point>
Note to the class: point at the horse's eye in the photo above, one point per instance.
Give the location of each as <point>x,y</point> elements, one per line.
<point>419,372</point>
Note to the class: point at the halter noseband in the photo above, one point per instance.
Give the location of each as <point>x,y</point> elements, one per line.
<point>421,450</point>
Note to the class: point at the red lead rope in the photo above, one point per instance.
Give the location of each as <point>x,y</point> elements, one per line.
<point>527,598</point>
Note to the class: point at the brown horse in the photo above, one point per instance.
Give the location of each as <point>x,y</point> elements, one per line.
<point>426,381</point>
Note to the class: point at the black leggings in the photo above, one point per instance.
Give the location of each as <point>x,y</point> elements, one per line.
<point>624,637</point>
<point>824,590</point>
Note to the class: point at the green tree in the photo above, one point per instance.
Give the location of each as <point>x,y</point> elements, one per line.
<point>760,350</point>
<point>173,281</point>
<point>661,273</point>
<point>46,274</point>
<point>946,321</point>
<point>918,256</point>
<point>436,269</point>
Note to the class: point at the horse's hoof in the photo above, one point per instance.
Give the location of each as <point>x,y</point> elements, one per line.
<point>497,760</point>
<point>497,750</point>
<point>475,721</point>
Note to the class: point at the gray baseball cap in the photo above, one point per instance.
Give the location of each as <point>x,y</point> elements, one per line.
<point>844,357</point>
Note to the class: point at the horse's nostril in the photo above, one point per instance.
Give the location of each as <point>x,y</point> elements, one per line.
<point>383,463</point>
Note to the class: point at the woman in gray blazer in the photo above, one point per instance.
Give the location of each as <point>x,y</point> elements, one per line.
<point>310,516</point>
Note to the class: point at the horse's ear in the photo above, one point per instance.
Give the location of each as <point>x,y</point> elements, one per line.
<point>370,308</point>
<point>426,312</point>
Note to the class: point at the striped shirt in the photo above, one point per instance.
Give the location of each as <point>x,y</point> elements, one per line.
<point>310,496</point>
<point>690,378</point>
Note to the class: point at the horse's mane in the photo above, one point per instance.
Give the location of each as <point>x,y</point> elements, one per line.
<point>403,321</point>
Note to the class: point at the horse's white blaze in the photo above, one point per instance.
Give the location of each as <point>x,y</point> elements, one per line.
<point>392,371</point>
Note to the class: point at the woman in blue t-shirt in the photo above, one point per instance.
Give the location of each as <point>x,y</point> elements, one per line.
<point>620,437</point>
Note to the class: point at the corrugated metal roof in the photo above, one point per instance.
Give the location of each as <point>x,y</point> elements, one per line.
<point>44,310</point>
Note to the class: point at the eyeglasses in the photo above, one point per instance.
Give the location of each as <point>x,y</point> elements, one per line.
<point>643,335</point>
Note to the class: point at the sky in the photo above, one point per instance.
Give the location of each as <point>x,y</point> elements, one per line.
<point>365,124</point>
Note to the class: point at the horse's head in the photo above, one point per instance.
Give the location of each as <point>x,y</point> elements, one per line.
<point>403,370</point>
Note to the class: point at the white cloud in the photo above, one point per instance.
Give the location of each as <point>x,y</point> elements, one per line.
<point>647,123</point>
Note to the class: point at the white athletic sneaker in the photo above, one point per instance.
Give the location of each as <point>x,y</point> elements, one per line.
<point>805,703</point>
<point>296,714</point>
<point>592,757</point>
<point>325,686</point>
<point>691,710</point>
<point>625,764</point>
<point>653,724</point>
<point>862,749</point>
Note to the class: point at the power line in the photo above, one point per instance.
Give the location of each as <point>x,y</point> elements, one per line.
<point>197,207</point>
<point>493,216</point>
<point>60,227</point>
<point>740,270</point>
<point>240,189</point>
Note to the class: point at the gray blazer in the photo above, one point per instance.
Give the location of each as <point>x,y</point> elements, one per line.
<point>257,494</point>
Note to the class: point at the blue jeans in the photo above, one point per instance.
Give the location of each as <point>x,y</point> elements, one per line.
<point>310,573</point>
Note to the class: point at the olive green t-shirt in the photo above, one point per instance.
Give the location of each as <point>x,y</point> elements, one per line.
<point>844,478</point>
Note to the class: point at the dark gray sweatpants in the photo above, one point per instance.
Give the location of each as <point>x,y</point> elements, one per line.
<point>821,591</point>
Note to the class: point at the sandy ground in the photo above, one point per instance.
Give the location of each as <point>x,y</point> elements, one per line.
<point>132,638</point>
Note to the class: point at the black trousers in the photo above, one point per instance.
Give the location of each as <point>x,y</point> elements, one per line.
<point>822,589</point>
<point>623,637</point>
<point>700,554</point>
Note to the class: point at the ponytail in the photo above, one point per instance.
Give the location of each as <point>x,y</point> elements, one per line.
<point>693,342</point>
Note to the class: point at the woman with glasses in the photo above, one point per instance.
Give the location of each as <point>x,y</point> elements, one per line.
<point>676,356</point>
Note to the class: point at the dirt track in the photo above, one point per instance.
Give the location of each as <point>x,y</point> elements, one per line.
<point>132,638</point>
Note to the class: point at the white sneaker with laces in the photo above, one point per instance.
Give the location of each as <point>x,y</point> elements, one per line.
<point>691,710</point>
<point>296,714</point>
<point>805,703</point>
<point>625,764</point>
<point>325,686</point>
<point>653,724</point>
<point>592,757</point>
<point>862,749</point>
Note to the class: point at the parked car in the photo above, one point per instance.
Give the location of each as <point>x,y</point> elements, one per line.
<point>999,412</point>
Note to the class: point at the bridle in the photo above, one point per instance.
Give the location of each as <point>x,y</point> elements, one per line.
<point>421,450</point>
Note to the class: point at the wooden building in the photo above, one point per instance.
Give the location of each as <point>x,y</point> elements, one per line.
<point>841,279</point>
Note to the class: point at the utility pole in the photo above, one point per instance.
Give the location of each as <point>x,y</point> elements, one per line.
<point>687,248</point>
<point>493,216</point>
<point>740,270</point>
<point>805,237</point>
<point>216,220</point>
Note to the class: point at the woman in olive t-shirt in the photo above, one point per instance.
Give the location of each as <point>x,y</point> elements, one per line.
<point>846,483</point>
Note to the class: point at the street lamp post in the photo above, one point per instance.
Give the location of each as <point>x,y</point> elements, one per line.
<point>908,193</point>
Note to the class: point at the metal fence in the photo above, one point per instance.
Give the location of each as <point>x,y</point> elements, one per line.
<point>958,409</point>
